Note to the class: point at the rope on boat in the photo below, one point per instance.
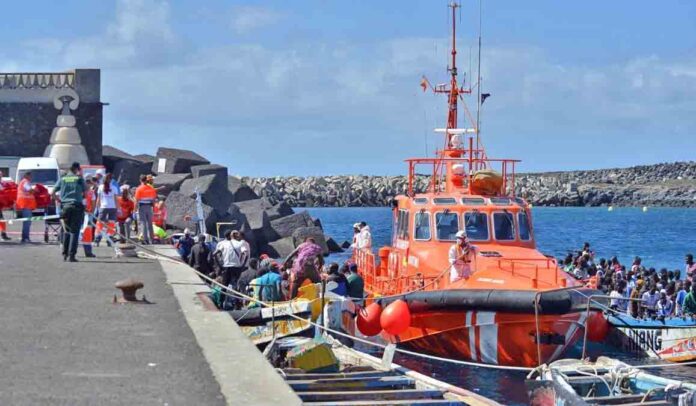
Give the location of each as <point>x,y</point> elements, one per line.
<point>233,293</point>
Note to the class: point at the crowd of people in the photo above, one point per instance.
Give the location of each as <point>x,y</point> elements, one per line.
<point>230,264</point>
<point>642,292</point>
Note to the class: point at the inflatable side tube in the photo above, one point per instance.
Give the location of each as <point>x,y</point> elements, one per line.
<point>560,301</point>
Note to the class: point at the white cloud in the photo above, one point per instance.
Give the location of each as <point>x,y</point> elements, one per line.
<point>345,100</point>
<point>249,18</point>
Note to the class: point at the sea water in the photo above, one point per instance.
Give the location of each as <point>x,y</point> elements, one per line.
<point>660,236</point>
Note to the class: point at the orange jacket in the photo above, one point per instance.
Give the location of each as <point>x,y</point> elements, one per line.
<point>25,200</point>
<point>145,194</point>
<point>125,209</point>
<point>90,199</point>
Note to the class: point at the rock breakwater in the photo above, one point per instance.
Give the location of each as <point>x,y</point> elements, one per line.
<point>666,184</point>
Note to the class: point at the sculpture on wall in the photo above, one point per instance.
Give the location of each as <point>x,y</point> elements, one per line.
<point>66,144</point>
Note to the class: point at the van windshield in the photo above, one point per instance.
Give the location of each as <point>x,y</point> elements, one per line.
<point>47,177</point>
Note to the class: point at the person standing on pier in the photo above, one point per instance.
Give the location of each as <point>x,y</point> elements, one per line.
<point>26,204</point>
<point>3,225</point>
<point>72,210</point>
<point>145,196</point>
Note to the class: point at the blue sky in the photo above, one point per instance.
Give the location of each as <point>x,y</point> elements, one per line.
<point>331,87</point>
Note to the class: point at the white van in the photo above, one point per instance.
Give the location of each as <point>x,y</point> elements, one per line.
<point>43,170</point>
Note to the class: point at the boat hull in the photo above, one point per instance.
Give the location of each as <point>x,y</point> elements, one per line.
<point>671,340</point>
<point>496,338</point>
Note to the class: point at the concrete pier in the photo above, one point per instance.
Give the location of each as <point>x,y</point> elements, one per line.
<point>63,341</point>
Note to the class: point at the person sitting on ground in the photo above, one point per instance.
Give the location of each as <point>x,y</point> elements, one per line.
<point>689,308</point>
<point>184,245</point>
<point>665,306</point>
<point>650,299</point>
<point>216,294</point>
<point>200,257</point>
<point>333,275</point>
<point>356,284</point>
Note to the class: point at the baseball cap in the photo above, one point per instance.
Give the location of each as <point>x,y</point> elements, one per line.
<point>461,234</point>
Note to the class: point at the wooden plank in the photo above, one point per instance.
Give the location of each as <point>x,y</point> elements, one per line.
<point>323,385</point>
<point>419,402</point>
<point>363,374</point>
<point>371,395</point>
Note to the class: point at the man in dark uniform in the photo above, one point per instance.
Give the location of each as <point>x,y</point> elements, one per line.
<point>72,210</point>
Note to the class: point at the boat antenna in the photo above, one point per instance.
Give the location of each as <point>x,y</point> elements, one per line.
<point>478,86</point>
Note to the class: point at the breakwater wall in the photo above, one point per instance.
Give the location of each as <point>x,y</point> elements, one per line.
<point>667,184</point>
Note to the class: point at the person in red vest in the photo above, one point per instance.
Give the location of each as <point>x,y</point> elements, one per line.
<point>26,204</point>
<point>3,225</point>
<point>145,196</point>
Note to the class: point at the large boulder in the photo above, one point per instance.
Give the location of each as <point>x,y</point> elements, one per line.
<point>333,246</point>
<point>111,156</point>
<point>213,192</point>
<point>127,171</point>
<point>170,182</point>
<point>280,248</point>
<point>240,191</point>
<point>213,169</point>
<point>182,213</point>
<point>286,226</point>
<point>302,233</point>
<point>279,210</point>
<point>255,212</point>
<point>171,160</point>
<point>145,158</point>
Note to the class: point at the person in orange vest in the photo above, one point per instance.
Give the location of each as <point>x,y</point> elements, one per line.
<point>145,196</point>
<point>124,216</point>
<point>3,225</point>
<point>26,204</point>
<point>87,228</point>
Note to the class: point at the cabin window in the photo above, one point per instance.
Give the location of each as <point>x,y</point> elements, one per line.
<point>501,201</point>
<point>473,201</point>
<point>421,226</point>
<point>402,225</point>
<point>420,200</point>
<point>523,223</point>
<point>504,226</point>
<point>446,225</point>
<point>445,201</point>
<point>476,226</point>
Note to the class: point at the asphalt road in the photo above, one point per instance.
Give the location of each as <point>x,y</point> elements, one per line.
<point>63,341</point>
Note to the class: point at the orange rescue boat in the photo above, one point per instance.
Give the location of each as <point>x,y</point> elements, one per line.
<point>513,305</point>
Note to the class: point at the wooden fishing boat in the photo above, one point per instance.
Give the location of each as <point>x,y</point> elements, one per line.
<point>516,306</point>
<point>605,382</point>
<point>361,379</point>
<point>672,339</point>
<point>280,320</point>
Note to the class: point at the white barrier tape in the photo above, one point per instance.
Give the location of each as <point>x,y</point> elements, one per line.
<point>35,218</point>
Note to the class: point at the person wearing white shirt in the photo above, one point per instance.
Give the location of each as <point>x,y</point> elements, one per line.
<point>365,237</point>
<point>650,300</point>
<point>618,300</point>
<point>233,254</point>
<point>461,254</point>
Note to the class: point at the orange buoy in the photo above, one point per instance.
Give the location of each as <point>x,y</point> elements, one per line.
<point>368,320</point>
<point>597,327</point>
<point>396,318</point>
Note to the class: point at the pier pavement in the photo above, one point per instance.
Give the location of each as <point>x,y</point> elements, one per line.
<point>64,342</point>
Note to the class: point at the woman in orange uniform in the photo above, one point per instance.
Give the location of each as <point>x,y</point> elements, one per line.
<point>124,216</point>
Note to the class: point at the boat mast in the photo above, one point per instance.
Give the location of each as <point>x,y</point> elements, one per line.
<point>454,89</point>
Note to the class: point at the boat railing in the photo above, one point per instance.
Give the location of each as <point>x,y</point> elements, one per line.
<point>536,269</point>
<point>471,164</point>
<point>379,281</point>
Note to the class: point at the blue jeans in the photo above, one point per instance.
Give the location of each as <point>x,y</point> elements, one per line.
<point>26,225</point>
